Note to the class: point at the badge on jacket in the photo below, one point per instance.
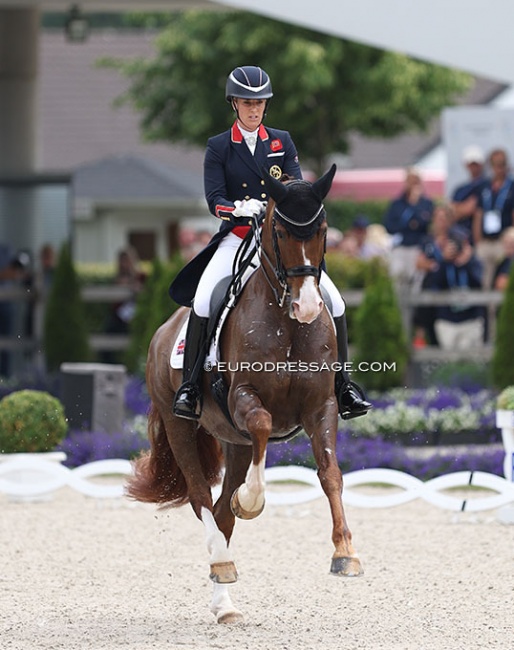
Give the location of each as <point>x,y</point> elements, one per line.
<point>275,171</point>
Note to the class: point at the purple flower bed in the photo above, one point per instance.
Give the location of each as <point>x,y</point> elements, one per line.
<point>354,451</point>
<point>83,447</point>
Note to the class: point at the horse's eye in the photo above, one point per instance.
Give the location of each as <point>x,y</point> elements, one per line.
<point>280,234</point>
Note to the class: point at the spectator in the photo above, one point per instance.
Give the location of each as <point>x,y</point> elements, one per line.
<point>430,257</point>
<point>47,265</point>
<point>465,197</point>
<point>377,242</point>
<point>494,214</point>
<point>334,239</point>
<point>458,327</point>
<point>502,272</point>
<point>353,238</point>
<point>407,219</point>
<point>127,275</point>
<point>12,269</point>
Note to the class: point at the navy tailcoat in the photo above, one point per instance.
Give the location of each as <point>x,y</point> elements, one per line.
<point>232,173</point>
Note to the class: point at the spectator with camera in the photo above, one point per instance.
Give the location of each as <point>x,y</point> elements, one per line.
<point>458,326</point>
<point>408,219</point>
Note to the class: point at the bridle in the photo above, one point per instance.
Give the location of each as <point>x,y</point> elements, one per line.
<point>280,272</point>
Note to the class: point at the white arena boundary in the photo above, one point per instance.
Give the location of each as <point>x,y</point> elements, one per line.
<point>28,476</point>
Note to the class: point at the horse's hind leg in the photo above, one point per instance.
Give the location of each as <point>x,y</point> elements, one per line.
<point>345,561</point>
<point>183,438</point>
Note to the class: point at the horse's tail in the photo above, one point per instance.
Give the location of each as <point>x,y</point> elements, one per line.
<point>157,478</point>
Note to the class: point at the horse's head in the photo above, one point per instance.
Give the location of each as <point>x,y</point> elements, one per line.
<point>294,239</point>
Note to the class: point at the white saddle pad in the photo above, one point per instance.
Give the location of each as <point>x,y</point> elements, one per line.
<point>177,353</point>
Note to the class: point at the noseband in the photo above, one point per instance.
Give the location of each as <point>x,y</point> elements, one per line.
<point>279,271</point>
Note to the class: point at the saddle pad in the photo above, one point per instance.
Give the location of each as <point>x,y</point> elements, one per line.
<point>177,353</point>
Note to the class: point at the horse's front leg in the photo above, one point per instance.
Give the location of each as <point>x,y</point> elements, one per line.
<point>321,426</point>
<point>250,415</point>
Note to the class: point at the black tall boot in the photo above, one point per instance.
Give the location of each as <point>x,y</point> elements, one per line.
<point>188,403</point>
<point>350,396</point>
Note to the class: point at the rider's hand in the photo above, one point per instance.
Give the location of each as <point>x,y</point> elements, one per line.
<point>248,208</point>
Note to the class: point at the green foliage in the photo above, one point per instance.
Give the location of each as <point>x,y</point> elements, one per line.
<point>348,272</point>
<point>461,373</point>
<point>378,332</point>
<point>31,421</point>
<point>65,329</point>
<point>502,362</point>
<point>324,87</point>
<point>153,308</point>
<point>505,399</point>
<point>342,212</point>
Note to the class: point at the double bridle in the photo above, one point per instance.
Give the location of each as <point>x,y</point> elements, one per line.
<point>281,273</point>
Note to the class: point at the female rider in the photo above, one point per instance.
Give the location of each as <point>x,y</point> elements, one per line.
<point>234,189</point>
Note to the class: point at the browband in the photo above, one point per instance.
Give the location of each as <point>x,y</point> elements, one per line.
<point>295,223</point>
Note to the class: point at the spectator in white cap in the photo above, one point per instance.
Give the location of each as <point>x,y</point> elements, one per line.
<point>465,196</point>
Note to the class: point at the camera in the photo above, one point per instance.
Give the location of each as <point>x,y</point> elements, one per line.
<point>21,261</point>
<point>458,237</point>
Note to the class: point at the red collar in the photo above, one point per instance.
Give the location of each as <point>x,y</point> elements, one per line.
<point>237,136</point>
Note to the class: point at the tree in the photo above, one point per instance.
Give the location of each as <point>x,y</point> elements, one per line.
<point>65,331</point>
<point>324,87</point>
<point>502,366</point>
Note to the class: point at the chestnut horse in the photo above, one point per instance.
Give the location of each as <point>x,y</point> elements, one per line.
<point>280,318</point>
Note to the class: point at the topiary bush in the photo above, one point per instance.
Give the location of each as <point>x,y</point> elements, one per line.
<point>31,421</point>
<point>65,331</point>
<point>378,333</point>
<point>153,307</point>
<point>502,367</point>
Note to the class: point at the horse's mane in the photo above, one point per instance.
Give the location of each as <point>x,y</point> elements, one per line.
<point>301,212</point>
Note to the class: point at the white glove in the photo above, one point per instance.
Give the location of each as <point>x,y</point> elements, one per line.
<point>248,208</point>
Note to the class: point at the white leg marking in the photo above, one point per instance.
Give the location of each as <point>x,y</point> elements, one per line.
<point>251,493</point>
<point>216,542</point>
<point>221,603</point>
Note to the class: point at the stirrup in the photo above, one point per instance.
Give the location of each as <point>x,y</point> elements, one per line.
<point>188,403</point>
<point>347,412</point>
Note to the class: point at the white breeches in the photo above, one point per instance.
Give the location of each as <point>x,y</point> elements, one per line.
<point>220,266</point>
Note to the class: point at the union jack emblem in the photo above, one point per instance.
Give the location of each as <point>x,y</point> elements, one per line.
<point>181,346</point>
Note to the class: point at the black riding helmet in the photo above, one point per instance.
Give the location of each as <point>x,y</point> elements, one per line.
<point>248,82</point>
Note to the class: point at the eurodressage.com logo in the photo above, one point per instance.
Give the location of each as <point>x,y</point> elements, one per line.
<point>299,366</point>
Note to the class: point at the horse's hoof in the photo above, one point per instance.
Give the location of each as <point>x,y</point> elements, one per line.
<point>346,566</point>
<point>223,573</point>
<point>240,512</point>
<point>229,618</point>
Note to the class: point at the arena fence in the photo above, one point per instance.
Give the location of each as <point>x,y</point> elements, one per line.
<point>26,477</point>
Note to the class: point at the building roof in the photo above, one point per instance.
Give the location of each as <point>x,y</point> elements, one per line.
<point>129,177</point>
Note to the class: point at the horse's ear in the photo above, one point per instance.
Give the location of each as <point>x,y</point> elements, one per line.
<point>322,186</point>
<point>276,189</point>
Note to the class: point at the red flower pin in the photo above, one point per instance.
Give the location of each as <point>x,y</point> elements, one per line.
<point>276,145</point>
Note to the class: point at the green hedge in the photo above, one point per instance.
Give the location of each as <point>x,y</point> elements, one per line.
<point>341,213</point>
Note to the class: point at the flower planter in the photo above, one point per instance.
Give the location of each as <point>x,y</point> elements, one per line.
<point>505,422</point>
